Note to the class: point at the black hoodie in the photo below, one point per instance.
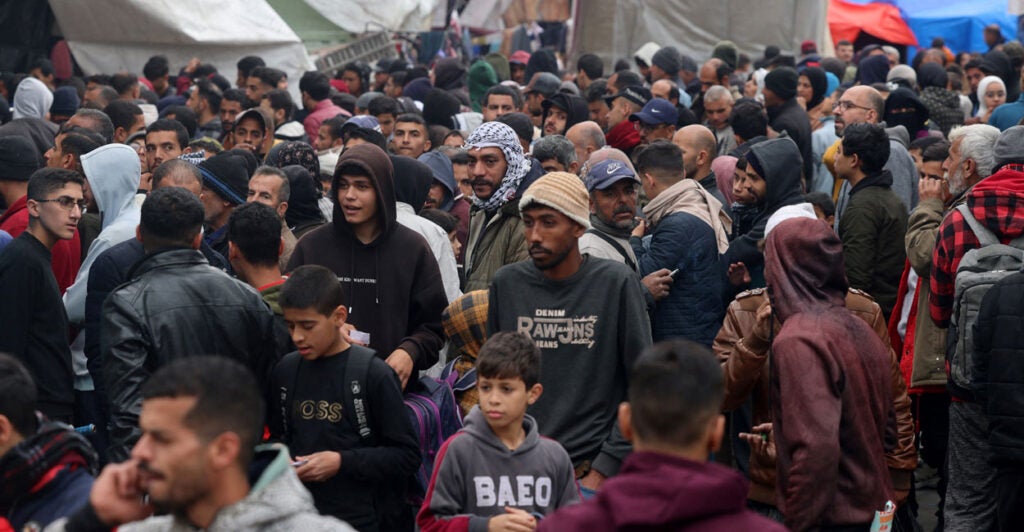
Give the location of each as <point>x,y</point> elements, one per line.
<point>575,108</point>
<point>392,285</point>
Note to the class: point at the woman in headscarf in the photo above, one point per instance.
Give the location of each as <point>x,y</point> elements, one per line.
<point>303,213</point>
<point>811,87</point>
<point>873,69</point>
<point>943,104</point>
<point>991,94</point>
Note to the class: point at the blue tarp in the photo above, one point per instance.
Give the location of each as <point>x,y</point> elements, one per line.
<point>959,22</point>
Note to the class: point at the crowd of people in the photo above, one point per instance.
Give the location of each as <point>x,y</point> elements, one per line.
<point>669,295</point>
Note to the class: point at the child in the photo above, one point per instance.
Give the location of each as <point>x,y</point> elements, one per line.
<point>316,409</point>
<point>744,209</point>
<point>498,472</point>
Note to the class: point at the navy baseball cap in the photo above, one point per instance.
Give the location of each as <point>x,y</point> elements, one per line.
<point>657,111</point>
<point>606,173</point>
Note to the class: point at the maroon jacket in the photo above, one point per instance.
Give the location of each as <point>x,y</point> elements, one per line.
<point>655,491</point>
<point>830,385</point>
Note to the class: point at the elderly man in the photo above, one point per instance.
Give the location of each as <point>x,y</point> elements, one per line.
<point>717,108</point>
<point>587,138</point>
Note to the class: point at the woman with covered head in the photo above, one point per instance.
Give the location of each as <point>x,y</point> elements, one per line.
<point>991,94</point>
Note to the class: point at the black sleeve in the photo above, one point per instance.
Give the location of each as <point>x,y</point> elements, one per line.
<point>20,290</point>
<point>104,277</point>
<point>396,454</point>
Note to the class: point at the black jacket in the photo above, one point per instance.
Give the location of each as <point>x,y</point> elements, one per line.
<point>999,350</point>
<point>791,118</point>
<point>175,305</point>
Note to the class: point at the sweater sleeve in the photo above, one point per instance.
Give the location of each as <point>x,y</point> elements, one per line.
<point>922,228</point>
<point>424,338</point>
<point>396,454</point>
<point>807,419</point>
<point>442,506</point>
<point>125,350</point>
<point>860,242</point>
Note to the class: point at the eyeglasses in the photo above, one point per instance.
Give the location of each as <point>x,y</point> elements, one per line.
<point>641,127</point>
<point>67,203</point>
<point>845,105</point>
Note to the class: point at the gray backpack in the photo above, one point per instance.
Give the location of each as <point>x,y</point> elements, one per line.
<point>979,269</point>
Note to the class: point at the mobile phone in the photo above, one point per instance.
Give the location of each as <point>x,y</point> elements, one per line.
<point>299,463</point>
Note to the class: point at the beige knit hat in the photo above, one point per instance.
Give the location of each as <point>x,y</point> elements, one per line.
<point>561,191</point>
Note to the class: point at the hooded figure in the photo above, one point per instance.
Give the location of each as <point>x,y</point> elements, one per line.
<point>943,104</point>
<point>450,76</point>
<point>303,214</point>
<point>819,84</point>
<point>830,385</point>
<point>412,184</point>
<point>114,172</point>
<point>395,274</point>
<point>774,160</point>
<point>32,99</point>
<point>904,108</point>
<point>500,65</point>
<point>575,108</point>
<point>983,109</point>
<point>454,202</point>
<point>873,69</point>
<point>481,78</point>
<point>417,89</point>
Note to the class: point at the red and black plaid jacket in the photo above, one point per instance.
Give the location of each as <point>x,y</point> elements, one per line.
<point>998,203</point>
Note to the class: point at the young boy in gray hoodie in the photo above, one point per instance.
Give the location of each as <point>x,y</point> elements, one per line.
<point>498,472</point>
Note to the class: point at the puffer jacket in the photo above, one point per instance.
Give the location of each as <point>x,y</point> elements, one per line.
<point>176,305</point>
<point>277,502</point>
<point>744,358</point>
<point>494,241</point>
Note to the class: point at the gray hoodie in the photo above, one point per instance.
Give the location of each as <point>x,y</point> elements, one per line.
<point>476,476</point>
<point>277,502</point>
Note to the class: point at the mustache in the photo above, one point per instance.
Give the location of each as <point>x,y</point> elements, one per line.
<point>538,247</point>
<point>622,210</point>
<point>480,182</point>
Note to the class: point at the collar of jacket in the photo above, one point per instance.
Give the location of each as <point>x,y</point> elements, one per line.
<point>164,258</point>
<point>881,179</point>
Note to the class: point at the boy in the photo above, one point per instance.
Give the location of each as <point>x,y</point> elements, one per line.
<point>350,473</point>
<point>673,419</point>
<point>497,473</point>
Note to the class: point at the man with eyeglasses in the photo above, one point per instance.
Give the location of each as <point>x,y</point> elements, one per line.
<point>35,326</point>
<point>865,105</point>
<point>656,121</point>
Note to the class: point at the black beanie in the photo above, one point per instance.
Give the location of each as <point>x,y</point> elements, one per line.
<point>439,107</point>
<point>19,158</point>
<point>668,59</point>
<point>782,81</point>
<point>226,175</point>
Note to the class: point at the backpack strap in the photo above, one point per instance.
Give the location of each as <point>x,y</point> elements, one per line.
<point>618,247</point>
<point>356,370</point>
<point>985,236</point>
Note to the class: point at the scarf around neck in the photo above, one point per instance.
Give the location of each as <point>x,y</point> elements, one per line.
<point>501,136</point>
<point>689,197</point>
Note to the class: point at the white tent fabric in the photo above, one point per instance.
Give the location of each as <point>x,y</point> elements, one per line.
<point>120,35</point>
<point>620,27</point>
<point>360,16</point>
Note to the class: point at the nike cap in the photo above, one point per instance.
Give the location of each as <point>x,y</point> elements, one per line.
<point>606,173</point>
<point>657,111</point>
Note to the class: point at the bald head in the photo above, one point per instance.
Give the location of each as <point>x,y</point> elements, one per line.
<point>586,137</point>
<point>663,89</point>
<point>713,73</point>
<point>699,149</point>
<point>860,104</point>
<point>178,173</point>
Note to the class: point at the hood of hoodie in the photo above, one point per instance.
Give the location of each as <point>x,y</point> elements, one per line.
<point>780,159</point>
<point>476,426</point>
<point>444,174</point>
<point>873,69</point>
<point>654,489</point>
<point>804,267</point>
<point>303,206</point>
<point>481,77</point>
<point>575,108</point>
<point>412,181</point>
<point>114,172</point>
<point>377,166</point>
<point>994,201</point>
<point>449,74</point>
<point>542,60</point>
<point>32,99</point>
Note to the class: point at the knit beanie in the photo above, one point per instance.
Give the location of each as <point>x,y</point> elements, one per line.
<point>226,175</point>
<point>561,191</point>
<point>1010,146</point>
<point>667,59</point>
<point>727,52</point>
<point>782,81</point>
<point>65,101</point>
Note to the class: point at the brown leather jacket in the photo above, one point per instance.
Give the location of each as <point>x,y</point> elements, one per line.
<point>744,358</point>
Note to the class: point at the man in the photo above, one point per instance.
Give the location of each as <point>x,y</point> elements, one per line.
<point>562,111</point>
<point>970,501</point>
<point>205,101</point>
<point>588,68</point>
<point>993,35</point>
<point>46,466</point>
<point>543,86</point>
<point>656,121</point>
<point>200,426</point>
<point>158,71</point>
<point>244,68</point>
<point>385,109</point>
<point>586,138</point>
<point>718,104</point>
<point>316,91</point>
<point>278,103</point>
<point>749,125</point>
<point>517,66</point>
<point>174,305</point>
<point>225,186</point>
<point>698,146</point>
<point>673,420</point>
<point>260,80</point>
<point>497,167</point>
<point>36,325</point>
<point>785,113</point>
<point>230,106</point>
<point>384,267</point>
<point>127,119</point>
<point>254,249</point>
<point>665,64</point>
<point>844,51</point>
<point>587,364</point>
<point>127,86</point>
<point>861,104</point>
<point>269,186</point>
<point>830,394</point>
<point>165,140</point>
<point>329,143</point>
<point>556,154</point>
<point>622,134</point>
<point>688,231</point>
<point>613,189</point>
<point>411,137</point>
<point>873,227</point>
<point>254,131</point>
<point>500,100</point>
<point>446,195</point>
<point>93,120</point>
<point>18,160</point>
<point>595,95</point>
<point>713,72</point>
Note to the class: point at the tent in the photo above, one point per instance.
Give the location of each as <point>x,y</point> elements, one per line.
<point>847,20</point>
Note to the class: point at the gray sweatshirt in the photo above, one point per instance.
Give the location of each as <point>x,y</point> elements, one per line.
<point>476,476</point>
<point>590,328</point>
